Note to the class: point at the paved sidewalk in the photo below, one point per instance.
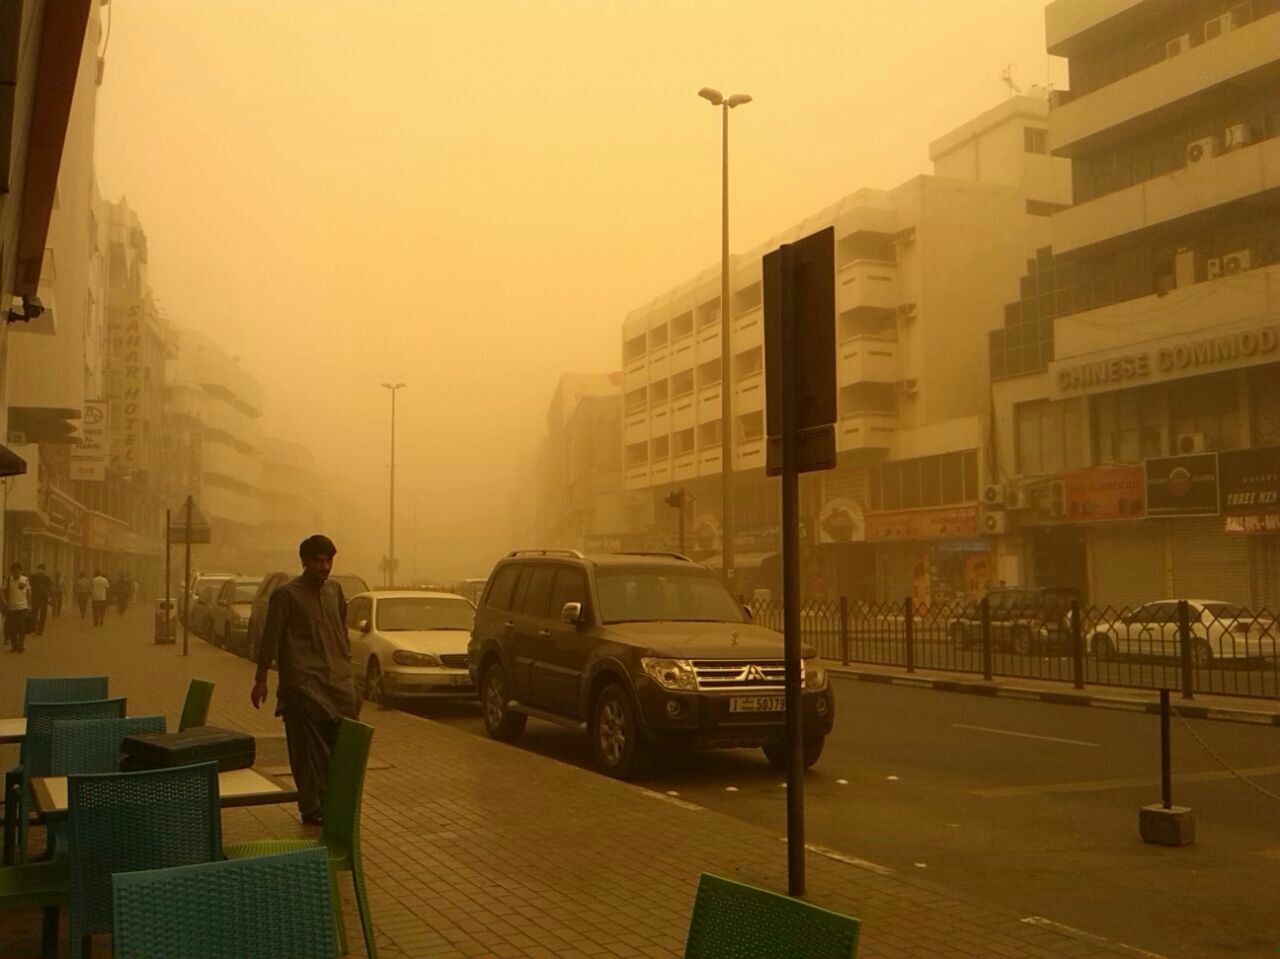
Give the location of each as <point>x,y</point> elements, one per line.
<point>478,849</point>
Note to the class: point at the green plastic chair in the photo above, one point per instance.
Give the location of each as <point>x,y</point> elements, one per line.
<point>735,921</point>
<point>340,833</point>
<point>36,757</point>
<point>126,822</point>
<point>267,907</point>
<point>44,884</point>
<point>195,711</point>
<point>93,745</point>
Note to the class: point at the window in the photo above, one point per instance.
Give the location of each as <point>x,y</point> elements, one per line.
<point>661,448</point>
<point>424,612</point>
<point>926,482</point>
<point>682,383</point>
<point>750,426</point>
<point>1048,436</point>
<point>659,391</point>
<point>684,442</point>
<point>748,363</point>
<point>1208,406</point>
<point>682,325</point>
<point>537,591</point>
<point>1128,426</point>
<point>570,587</point>
<point>658,337</point>
<point>633,349</point>
<point>1035,139</point>
<point>709,373</point>
<point>635,401</point>
<point>356,611</point>
<point>637,454</point>
<point>709,435</point>
<point>503,588</point>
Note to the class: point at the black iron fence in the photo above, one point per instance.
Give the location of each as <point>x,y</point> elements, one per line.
<point>1191,646</point>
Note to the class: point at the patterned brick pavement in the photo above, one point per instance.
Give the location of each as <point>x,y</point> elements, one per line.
<point>477,849</point>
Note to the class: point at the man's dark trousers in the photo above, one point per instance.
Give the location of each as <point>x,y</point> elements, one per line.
<point>40,612</point>
<point>15,629</point>
<point>99,611</point>
<point>311,736</point>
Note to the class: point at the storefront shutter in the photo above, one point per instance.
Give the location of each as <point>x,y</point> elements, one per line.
<point>1265,568</point>
<point>1209,563</point>
<point>1128,564</point>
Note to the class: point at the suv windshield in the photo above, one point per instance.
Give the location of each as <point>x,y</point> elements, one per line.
<point>639,595</point>
<point>423,612</point>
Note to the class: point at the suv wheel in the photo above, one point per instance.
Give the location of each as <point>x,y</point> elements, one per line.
<point>226,639</point>
<point>616,743</point>
<point>776,753</point>
<point>499,722</point>
<point>208,633</point>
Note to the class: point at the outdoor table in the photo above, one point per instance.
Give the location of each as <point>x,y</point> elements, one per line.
<point>13,731</point>
<point>236,787</point>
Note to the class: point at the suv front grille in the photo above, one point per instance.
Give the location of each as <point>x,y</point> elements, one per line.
<point>738,674</point>
<point>454,660</point>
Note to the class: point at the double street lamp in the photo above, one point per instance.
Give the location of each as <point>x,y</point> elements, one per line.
<point>717,99</point>
<point>391,523</point>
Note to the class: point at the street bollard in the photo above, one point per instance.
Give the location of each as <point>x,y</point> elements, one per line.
<point>985,611</point>
<point>1184,649</point>
<point>1166,824</point>
<point>909,633</point>
<point>1077,647</point>
<point>844,630</point>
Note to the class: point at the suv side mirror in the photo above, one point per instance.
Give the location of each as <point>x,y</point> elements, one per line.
<point>222,602</point>
<point>571,614</point>
<point>364,626</point>
<point>751,616</point>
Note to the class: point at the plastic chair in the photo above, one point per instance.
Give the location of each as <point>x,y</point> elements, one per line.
<point>93,745</point>
<point>125,822</point>
<point>37,884</point>
<point>36,757</point>
<point>195,711</point>
<point>268,907</point>
<point>340,834</point>
<point>735,921</point>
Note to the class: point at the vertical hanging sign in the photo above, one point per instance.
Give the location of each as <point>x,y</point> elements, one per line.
<point>89,459</point>
<point>126,400</point>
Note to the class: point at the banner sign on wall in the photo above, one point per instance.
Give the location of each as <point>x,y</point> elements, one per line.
<point>1183,485</point>
<point>1250,481</point>
<point>89,459</point>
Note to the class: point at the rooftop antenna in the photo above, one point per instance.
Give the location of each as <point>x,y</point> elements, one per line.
<point>1007,78</point>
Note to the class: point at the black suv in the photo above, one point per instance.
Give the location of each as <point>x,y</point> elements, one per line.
<point>639,650</point>
<point>1023,619</point>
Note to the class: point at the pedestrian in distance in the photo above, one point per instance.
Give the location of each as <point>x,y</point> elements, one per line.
<point>99,590</point>
<point>17,608</point>
<point>82,589</point>
<point>41,593</point>
<point>55,597</point>
<point>306,634</point>
<point>122,592</point>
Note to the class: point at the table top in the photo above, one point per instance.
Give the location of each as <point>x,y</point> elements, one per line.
<point>13,730</point>
<point>236,787</point>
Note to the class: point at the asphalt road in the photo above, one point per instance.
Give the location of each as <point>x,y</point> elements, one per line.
<point>1029,805</point>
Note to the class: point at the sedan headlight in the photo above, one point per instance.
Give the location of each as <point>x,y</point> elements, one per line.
<point>403,657</point>
<point>815,676</point>
<point>670,673</point>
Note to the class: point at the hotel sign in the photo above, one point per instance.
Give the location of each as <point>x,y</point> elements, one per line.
<point>1166,359</point>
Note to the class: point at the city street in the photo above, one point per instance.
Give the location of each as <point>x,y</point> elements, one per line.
<point>1032,806</point>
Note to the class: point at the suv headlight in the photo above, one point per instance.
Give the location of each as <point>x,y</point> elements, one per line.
<point>403,657</point>
<point>670,673</point>
<point>815,676</point>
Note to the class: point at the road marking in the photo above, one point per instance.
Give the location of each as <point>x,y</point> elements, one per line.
<point>1010,732</point>
<point>1010,792</point>
<point>849,860</point>
<point>1074,933</point>
<point>673,800</point>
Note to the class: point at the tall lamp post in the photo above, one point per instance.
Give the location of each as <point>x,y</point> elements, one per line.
<point>391,521</point>
<point>717,99</point>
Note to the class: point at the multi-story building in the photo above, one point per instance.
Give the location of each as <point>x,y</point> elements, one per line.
<point>1136,380</point>
<point>919,271</point>
<point>291,501</point>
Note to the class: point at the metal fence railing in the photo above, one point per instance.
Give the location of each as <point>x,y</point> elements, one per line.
<point>1218,648</point>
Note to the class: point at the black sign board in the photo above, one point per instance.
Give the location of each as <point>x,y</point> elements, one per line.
<point>1250,481</point>
<point>812,313</point>
<point>1183,485</point>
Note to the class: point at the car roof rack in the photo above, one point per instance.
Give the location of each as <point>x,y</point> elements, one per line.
<point>571,553</point>
<point>671,554</point>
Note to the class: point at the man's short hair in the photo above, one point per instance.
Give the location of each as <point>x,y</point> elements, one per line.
<point>15,566</point>
<point>316,545</point>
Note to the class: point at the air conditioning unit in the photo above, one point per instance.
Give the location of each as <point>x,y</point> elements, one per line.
<point>905,386</point>
<point>1237,135</point>
<point>993,494</point>
<point>906,310</point>
<point>1213,267</point>
<point>17,438</point>
<point>1015,498</point>
<point>1177,45</point>
<point>1217,27</point>
<point>1190,443</point>
<point>995,523</point>
<point>1198,151</point>
<point>1237,262</point>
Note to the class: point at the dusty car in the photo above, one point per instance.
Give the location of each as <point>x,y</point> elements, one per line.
<point>410,644</point>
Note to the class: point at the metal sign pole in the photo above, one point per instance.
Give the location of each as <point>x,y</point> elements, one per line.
<point>791,583</point>
<point>186,581</point>
<point>168,573</point>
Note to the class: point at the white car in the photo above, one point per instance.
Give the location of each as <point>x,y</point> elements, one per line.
<point>1219,631</point>
<point>411,644</point>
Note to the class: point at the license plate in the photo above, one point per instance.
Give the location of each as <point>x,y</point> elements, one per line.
<point>757,704</point>
<point>460,680</point>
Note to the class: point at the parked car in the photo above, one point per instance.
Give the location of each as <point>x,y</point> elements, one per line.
<point>226,624</point>
<point>644,651</point>
<point>204,593</point>
<point>196,582</point>
<point>411,644</point>
<point>352,585</point>
<point>1023,619</point>
<point>1218,630</point>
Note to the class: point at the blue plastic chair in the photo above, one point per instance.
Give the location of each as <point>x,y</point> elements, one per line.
<point>195,709</point>
<point>267,907</point>
<point>93,745</point>
<point>126,822</point>
<point>36,757</point>
<point>732,920</point>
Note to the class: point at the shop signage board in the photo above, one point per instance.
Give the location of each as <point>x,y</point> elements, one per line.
<point>1183,485</point>
<point>947,523</point>
<point>64,517</point>
<point>1103,493</point>
<point>841,520</point>
<point>1250,489</point>
<point>89,458</point>
<point>106,533</point>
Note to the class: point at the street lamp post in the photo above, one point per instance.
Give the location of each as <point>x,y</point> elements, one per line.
<point>391,521</point>
<point>716,99</point>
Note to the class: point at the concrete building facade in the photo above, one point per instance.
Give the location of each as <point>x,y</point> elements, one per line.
<point>1136,379</point>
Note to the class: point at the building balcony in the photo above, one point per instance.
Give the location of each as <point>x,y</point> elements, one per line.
<point>636,428</point>
<point>682,413</point>
<point>683,467</point>
<point>637,477</point>
<point>1245,57</point>
<point>868,359</point>
<point>682,354</point>
<point>866,284</point>
<point>709,462</point>
<point>748,394</point>
<point>709,403</point>
<point>749,455</point>
<point>659,418</point>
<point>866,430</point>
<point>660,472</point>
<point>748,329</point>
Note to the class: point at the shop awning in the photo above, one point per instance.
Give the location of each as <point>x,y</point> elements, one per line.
<point>11,464</point>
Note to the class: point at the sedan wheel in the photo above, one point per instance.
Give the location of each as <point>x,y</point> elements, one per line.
<point>1020,639</point>
<point>1201,654</point>
<point>1103,648</point>
<point>373,683</point>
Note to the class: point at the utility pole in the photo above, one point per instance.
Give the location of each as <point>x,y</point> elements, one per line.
<point>391,520</point>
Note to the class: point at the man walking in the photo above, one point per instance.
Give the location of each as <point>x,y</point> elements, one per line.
<point>83,588</point>
<point>17,607</point>
<point>41,588</point>
<point>306,632</point>
<point>55,597</point>
<point>99,588</point>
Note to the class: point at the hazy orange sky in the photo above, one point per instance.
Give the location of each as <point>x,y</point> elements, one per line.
<point>468,196</point>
